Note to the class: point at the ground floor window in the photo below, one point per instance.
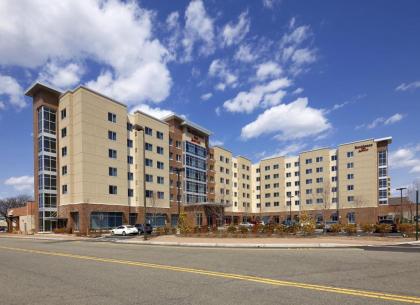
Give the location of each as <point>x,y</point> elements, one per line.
<point>133,219</point>
<point>351,217</point>
<point>156,220</point>
<point>199,219</point>
<point>105,220</point>
<point>174,220</point>
<point>334,216</point>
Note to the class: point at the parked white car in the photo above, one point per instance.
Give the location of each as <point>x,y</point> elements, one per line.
<point>247,225</point>
<point>124,230</point>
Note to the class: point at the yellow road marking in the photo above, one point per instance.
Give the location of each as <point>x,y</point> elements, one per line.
<point>331,289</point>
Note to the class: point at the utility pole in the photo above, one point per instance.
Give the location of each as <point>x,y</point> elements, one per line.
<point>417,215</point>
<point>140,128</point>
<point>401,203</point>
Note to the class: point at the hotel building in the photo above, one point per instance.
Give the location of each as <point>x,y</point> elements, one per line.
<point>90,174</point>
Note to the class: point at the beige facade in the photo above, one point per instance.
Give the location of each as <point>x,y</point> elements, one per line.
<point>242,192</point>
<point>223,175</point>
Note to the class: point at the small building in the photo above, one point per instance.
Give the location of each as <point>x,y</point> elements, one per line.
<point>23,220</point>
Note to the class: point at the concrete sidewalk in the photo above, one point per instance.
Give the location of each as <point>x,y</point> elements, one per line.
<point>248,242</point>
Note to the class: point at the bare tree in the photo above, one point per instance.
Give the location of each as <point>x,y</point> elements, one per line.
<point>10,203</point>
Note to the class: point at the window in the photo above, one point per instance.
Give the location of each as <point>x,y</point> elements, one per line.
<point>334,189</point>
<point>319,200</point>
<point>159,135</point>
<point>288,165</point>
<point>149,194</point>
<point>267,167</point>
<point>178,144</point>
<point>308,181</point>
<point>267,204</point>
<point>276,185</point>
<point>334,200</point>
<point>296,174</point>
<point>308,201</point>
<point>319,169</point>
<point>149,147</point>
<point>276,203</point>
<point>334,178</point>
<point>267,186</point>
<point>297,183</point>
<point>382,172</point>
<point>149,178</point>
<point>351,217</point>
<point>319,190</point>
<point>130,159</point>
<point>112,117</point>
<point>129,126</point>
<point>159,150</point>
<point>63,114</point>
<point>275,166</point>
<point>319,159</point>
<point>112,153</point>
<point>288,184</point>
<point>350,187</point>
<point>64,170</point>
<point>382,194</point>
<point>308,171</point>
<point>129,143</point>
<point>64,151</point>
<point>319,180</point>
<point>350,165</point>
<point>382,183</point>
<point>148,131</point>
<point>112,135</point>
<point>276,176</point>
<point>63,132</point>
<point>160,165</point>
<point>296,163</point>
<point>64,189</point>
<point>382,158</point>
<point>130,192</point>
<point>112,189</point>
<point>334,158</point>
<point>160,195</point>
<point>334,168</point>
<point>106,220</point>
<point>266,177</point>
<point>308,161</point>
<point>349,154</point>
<point>276,194</point>
<point>257,170</point>
<point>267,195</point>
<point>112,171</point>
<point>149,162</point>
<point>288,175</point>
<point>350,176</point>
<point>130,176</point>
<point>350,198</point>
<point>297,202</point>
<point>308,191</point>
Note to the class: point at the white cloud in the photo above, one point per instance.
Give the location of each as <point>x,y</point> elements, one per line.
<point>114,34</point>
<point>206,96</point>
<point>216,142</point>
<point>260,95</point>
<point>297,91</point>
<point>382,121</point>
<point>198,27</point>
<point>22,183</point>
<point>406,158</point>
<point>410,86</point>
<point>288,121</point>
<point>61,76</point>
<point>288,150</point>
<point>156,112</point>
<point>291,50</point>
<point>235,33</point>
<point>268,69</point>
<point>245,54</point>
<point>218,68</point>
<point>269,4</point>
<point>10,88</point>
<point>2,105</point>
<point>218,111</point>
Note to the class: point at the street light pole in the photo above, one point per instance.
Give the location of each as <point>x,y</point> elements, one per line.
<point>417,215</point>
<point>401,211</point>
<point>178,171</point>
<point>140,128</point>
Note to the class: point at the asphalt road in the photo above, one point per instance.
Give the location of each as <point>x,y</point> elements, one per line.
<point>85,272</point>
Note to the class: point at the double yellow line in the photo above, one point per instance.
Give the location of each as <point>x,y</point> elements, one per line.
<point>344,291</point>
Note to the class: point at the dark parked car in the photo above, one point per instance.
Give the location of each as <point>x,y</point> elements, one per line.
<point>389,222</point>
<point>289,223</point>
<point>149,228</point>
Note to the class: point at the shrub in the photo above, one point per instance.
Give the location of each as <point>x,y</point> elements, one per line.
<point>268,229</point>
<point>368,228</point>
<point>308,228</point>
<point>231,229</point>
<point>406,228</point>
<point>204,229</point>
<point>293,229</point>
<point>160,231</point>
<point>280,229</point>
<point>60,231</point>
<point>383,228</point>
<point>166,230</point>
<point>173,230</point>
<point>243,230</point>
<point>256,228</point>
<point>350,229</point>
<point>336,228</point>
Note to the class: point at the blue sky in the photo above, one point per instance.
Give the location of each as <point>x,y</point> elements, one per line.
<point>267,77</point>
